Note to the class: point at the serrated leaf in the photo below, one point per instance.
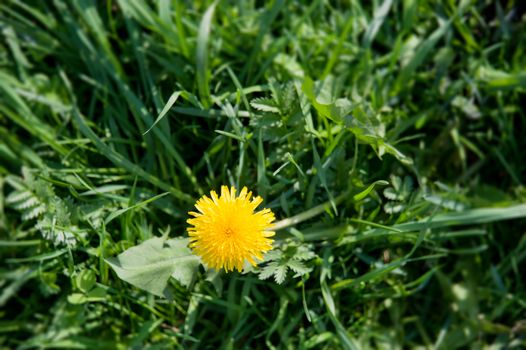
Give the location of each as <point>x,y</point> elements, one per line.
<point>400,190</point>
<point>445,202</point>
<point>290,64</point>
<point>274,254</point>
<point>18,196</point>
<point>285,97</point>
<point>393,207</point>
<point>298,267</point>
<point>268,270</point>
<point>59,237</point>
<point>264,105</point>
<point>150,265</point>
<point>303,253</point>
<point>390,193</point>
<point>288,98</point>
<point>29,202</point>
<point>33,213</point>
<point>280,272</point>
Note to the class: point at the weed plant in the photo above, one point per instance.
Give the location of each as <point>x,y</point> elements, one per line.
<point>387,137</point>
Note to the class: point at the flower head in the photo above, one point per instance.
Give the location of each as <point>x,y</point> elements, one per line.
<point>226,231</point>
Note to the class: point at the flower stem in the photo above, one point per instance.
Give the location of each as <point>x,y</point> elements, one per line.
<point>312,212</point>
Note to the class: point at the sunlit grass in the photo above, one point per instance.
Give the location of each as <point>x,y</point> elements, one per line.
<point>387,139</point>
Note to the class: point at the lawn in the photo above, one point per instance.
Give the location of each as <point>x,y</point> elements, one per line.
<point>385,140</point>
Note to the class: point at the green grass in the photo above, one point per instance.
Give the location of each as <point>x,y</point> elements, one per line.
<point>388,138</point>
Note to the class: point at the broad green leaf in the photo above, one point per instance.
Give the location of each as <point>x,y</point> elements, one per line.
<point>85,280</point>
<point>97,294</point>
<point>150,265</point>
<point>77,298</point>
<point>367,126</point>
<point>321,98</point>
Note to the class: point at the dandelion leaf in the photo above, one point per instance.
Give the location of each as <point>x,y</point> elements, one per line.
<point>150,265</point>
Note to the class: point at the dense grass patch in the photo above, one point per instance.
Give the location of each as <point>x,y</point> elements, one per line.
<point>388,139</point>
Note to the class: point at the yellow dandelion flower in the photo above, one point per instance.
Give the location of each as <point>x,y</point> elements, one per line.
<point>226,231</point>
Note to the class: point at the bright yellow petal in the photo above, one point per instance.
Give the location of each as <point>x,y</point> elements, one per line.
<point>227,231</point>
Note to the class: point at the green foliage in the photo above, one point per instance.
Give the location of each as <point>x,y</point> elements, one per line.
<point>289,256</point>
<point>150,264</point>
<point>88,291</point>
<point>36,200</point>
<point>397,193</point>
<point>116,116</point>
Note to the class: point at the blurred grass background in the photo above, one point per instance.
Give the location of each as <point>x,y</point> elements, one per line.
<point>105,104</point>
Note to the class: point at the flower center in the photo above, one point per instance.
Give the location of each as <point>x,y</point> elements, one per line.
<point>228,231</point>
